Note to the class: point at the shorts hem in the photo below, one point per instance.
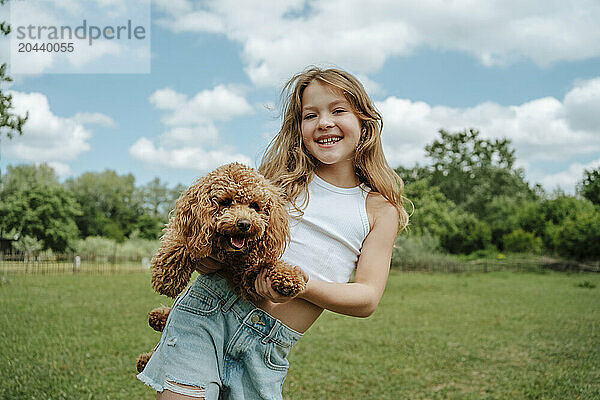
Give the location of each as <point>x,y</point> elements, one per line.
<point>149,382</point>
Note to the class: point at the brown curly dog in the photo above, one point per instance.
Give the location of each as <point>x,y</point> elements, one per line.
<point>234,215</point>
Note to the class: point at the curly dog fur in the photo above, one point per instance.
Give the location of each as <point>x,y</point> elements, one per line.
<point>234,215</point>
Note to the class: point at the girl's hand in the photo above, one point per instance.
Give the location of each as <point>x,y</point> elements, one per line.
<point>208,265</point>
<point>263,287</point>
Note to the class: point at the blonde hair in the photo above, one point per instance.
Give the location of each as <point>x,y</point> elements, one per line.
<point>288,163</point>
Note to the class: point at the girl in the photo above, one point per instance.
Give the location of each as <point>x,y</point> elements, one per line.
<point>347,208</point>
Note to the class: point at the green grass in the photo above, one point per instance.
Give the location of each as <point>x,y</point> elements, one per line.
<point>500,335</point>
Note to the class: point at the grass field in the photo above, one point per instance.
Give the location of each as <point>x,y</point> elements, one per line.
<point>500,335</point>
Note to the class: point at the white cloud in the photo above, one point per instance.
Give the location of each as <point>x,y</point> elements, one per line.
<point>62,170</point>
<point>177,7</point>
<point>279,38</point>
<point>221,103</point>
<point>94,118</point>
<point>114,8</point>
<point>46,136</point>
<point>192,140</point>
<point>188,157</point>
<point>206,133</point>
<point>566,180</point>
<point>582,105</point>
<point>168,99</point>
<point>544,129</point>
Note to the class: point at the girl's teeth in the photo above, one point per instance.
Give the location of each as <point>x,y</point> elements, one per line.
<point>330,140</point>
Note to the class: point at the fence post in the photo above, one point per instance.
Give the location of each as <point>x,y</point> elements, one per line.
<point>76,263</point>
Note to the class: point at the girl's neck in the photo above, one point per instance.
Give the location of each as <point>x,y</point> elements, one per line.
<point>337,176</point>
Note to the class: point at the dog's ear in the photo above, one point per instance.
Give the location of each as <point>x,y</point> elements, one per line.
<point>195,218</point>
<point>185,239</point>
<point>277,233</point>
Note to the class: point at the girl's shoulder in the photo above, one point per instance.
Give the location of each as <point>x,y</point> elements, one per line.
<point>380,209</point>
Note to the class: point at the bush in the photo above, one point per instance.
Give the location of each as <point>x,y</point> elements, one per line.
<point>421,252</point>
<point>556,213</point>
<point>572,227</point>
<point>502,216</point>
<point>411,248</point>
<point>519,241</point>
<point>506,214</point>
<point>586,285</point>
<point>137,249</point>
<point>96,246</point>
<point>467,234</point>
<point>108,249</point>
<point>579,236</point>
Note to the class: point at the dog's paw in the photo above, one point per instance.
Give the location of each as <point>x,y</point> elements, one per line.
<point>143,360</point>
<point>157,318</point>
<point>287,282</point>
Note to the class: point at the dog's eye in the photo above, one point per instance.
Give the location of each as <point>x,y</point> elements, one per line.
<point>254,205</point>
<point>225,202</point>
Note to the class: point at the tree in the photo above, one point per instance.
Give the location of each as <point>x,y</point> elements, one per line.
<point>157,199</point>
<point>433,212</point>
<point>44,212</point>
<point>458,231</point>
<point>20,178</point>
<point>149,227</point>
<point>27,175</point>
<point>589,187</point>
<point>154,197</point>
<point>416,173</point>
<point>570,226</point>
<point>28,245</point>
<point>109,202</point>
<point>471,171</point>
<point>10,123</point>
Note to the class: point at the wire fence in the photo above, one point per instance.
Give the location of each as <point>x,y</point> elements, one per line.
<point>70,263</point>
<point>451,265</point>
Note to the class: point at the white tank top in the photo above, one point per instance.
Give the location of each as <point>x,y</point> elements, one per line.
<point>326,241</point>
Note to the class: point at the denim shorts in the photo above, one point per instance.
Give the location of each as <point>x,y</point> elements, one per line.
<point>220,346</point>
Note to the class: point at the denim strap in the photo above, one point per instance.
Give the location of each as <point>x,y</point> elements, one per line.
<point>226,305</point>
<point>272,332</point>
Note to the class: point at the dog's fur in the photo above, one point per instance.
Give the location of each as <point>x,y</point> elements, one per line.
<point>234,215</point>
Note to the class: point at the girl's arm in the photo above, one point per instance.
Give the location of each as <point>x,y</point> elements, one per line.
<point>359,298</point>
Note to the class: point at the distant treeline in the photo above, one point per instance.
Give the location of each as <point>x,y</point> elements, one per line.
<point>42,213</point>
<point>469,197</point>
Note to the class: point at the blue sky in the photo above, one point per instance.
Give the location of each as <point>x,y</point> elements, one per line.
<point>529,71</point>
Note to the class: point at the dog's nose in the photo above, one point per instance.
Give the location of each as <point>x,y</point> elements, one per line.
<point>243,225</point>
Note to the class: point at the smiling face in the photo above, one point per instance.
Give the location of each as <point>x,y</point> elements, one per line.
<point>330,128</point>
